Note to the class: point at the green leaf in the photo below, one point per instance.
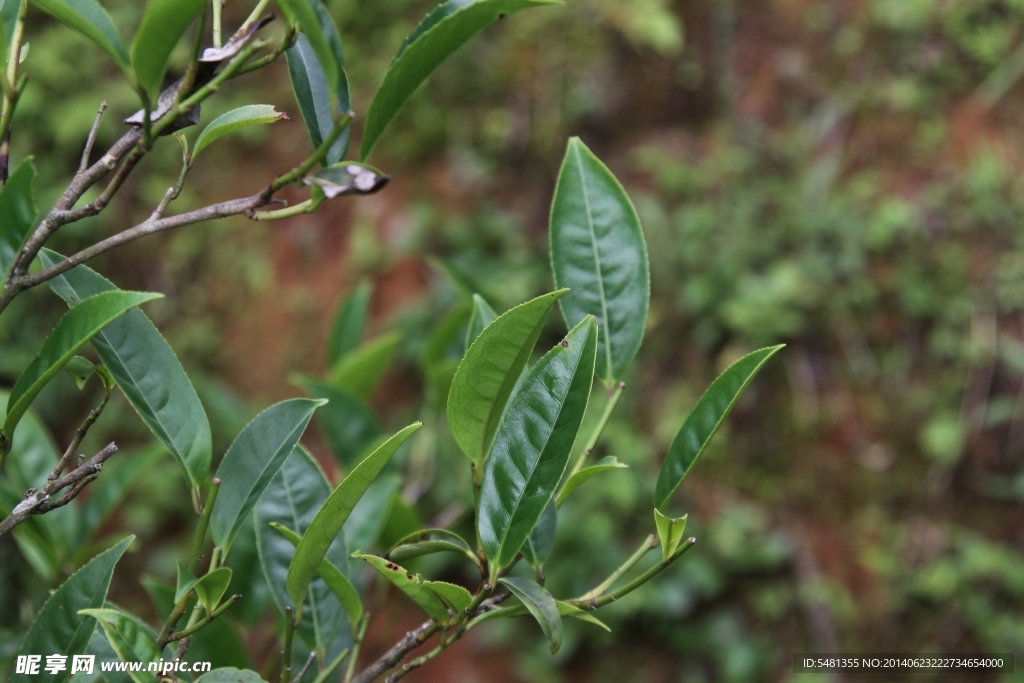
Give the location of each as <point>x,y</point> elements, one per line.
<point>349,322</point>
<point>230,675</point>
<point>211,587</point>
<point>564,609</point>
<point>489,371</point>
<point>59,628</point>
<point>367,520</point>
<point>428,542</point>
<point>346,423</point>
<point>148,374</point>
<point>88,18</point>
<point>130,638</point>
<point>411,584</point>
<point>605,464</point>
<point>80,370</point>
<point>236,119</point>
<point>163,24</point>
<point>347,177</point>
<point>100,648</point>
<point>80,324</point>
<point>360,371</point>
<point>457,598</point>
<point>670,533</point>
<point>442,32</point>
<point>18,211</point>
<point>310,83</point>
<point>540,604</point>
<point>315,27</point>
<point>705,419</point>
<point>537,548</point>
<point>598,250</point>
<point>339,584</point>
<point>120,475</point>
<point>291,502</point>
<point>252,461</point>
<point>332,515</point>
<point>531,448</point>
<point>482,316</point>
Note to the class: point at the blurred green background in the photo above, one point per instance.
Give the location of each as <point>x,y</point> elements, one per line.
<point>841,176</point>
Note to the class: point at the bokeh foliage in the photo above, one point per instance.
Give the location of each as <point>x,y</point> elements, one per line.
<point>840,176</point>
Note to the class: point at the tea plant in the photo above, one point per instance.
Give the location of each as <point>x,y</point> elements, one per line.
<point>516,422</point>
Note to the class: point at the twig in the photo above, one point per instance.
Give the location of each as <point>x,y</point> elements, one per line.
<point>233,207</point>
<point>133,143</point>
<point>171,194</point>
<point>100,203</point>
<point>289,39</point>
<point>79,185</point>
<point>649,544</point>
<point>198,540</point>
<point>391,658</point>
<point>356,646</point>
<point>180,635</point>
<point>80,434</point>
<point>312,655</point>
<point>91,140</point>
<point>36,502</point>
<point>609,408</point>
<point>416,638</point>
<point>595,603</point>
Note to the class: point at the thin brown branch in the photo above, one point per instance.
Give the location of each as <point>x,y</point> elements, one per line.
<point>100,203</point>
<point>80,434</point>
<point>305,667</point>
<point>91,140</point>
<point>36,502</point>
<point>415,638</point>
<point>412,640</point>
<point>231,207</point>
<point>171,194</point>
<point>57,217</point>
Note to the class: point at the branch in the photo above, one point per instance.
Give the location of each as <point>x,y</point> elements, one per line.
<point>80,434</point>
<point>232,207</point>
<point>391,658</point>
<point>198,541</point>
<point>91,140</point>
<point>36,502</point>
<point>592,603</point>
<point>416,638</point>
<point>650,543</point>
<point>181,635</point>
<point>290,36</point>
<point>57,217</point>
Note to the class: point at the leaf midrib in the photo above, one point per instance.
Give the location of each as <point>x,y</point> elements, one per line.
<point>597,262</point>
<point>519,498</point>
